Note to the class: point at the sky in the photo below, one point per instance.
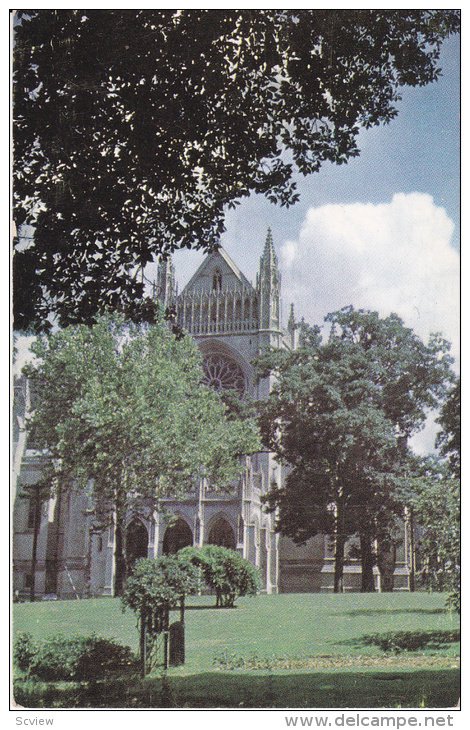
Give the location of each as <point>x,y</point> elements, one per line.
<point>381,232</point>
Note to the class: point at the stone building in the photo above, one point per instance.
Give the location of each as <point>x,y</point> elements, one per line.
<point>232,321</point>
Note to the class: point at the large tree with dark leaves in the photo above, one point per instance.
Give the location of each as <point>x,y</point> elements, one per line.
<point>134,129</point>
<point>448,439</point>
<point>339,415</point>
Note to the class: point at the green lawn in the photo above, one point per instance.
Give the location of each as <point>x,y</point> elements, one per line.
<point>302,650</point>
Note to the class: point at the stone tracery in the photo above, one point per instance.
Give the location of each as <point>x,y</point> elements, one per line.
<point>221,373</point>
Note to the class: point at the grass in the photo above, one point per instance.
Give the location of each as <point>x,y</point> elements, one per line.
<point>290,650</point>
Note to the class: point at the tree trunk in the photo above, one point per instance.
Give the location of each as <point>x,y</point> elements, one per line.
<point>412,552</point>
<point>386,566</point>
<point>340,541</point>
<point>367,565</point>
<point>166,627</point>
<point>143,645</point>
<point>37,526</point>
<point>87,576</point>
<point>120,561</point>
<point>339,564</point>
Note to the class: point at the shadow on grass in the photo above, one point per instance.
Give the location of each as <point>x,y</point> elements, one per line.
<point>391,612</point>
<point>378,689</point>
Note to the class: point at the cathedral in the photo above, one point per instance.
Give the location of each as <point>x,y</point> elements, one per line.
<point>232,320</point>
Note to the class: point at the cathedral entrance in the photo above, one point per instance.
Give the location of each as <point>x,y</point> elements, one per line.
<point>176,537</point>
<point>222,534</point>
<point>137,541</point>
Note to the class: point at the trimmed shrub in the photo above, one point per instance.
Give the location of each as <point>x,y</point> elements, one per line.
<point>72,658</point>
<point>24,651</point>
<point>225,572</point>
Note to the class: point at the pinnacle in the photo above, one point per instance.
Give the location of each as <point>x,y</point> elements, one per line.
<point>269,253</point>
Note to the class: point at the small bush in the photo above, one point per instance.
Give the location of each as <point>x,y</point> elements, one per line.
<point>225,571</point>
<point>74,658</point>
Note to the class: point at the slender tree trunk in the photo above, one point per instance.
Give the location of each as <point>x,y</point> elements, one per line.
<point>120,560</point>
<point>166,628</point>
<point>386,566</point>
<point>87,577</point>
<point>367,564</point>
<point>339,564</point>
<point>412,552</point>
<point>52,575</point>
<point>37,526</point>
<point>340,541</point>
<point>143,645</point>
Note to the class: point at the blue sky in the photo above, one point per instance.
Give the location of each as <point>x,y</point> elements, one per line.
<point>417,152</point>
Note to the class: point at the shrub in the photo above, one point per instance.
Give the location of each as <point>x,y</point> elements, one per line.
<point>225,572</point>
<point>24,651</point>
<point>160,582</point>
<point>412,640</point>
<point>72,658</point>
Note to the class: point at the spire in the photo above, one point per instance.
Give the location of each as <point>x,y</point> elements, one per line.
<point>269,258</point>
<point>291,321</point>
<point>165,290</point>
<point>269,283</point>
<point>292,328</point>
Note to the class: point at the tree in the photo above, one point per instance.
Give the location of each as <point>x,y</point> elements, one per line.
<point>434,496</point>
<point>340,449</point>
<point>448,440</point>
<point>224,571</point>
<point>135,129</point>
<point>155,587</point>
<point>339,416</point>
<point>121,413</point>
<point>37,495</point>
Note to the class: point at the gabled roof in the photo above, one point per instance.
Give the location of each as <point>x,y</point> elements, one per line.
<point>209,262</point>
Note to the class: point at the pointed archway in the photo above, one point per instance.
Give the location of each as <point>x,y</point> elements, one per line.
<point>137,542</point>
<point>222,534</point>
<point>177,536</point>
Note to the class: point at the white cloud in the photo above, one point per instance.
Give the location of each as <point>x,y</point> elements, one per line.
<point>393,257</point>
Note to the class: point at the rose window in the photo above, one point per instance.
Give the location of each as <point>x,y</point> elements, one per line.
<point>223,374</point>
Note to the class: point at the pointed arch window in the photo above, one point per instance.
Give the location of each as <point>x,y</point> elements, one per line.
<point>217,280</point>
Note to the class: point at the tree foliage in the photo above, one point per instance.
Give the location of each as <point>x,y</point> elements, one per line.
<point>158,585</point>
<point>134,129</point>
<point>338,416</point>
<point>224,571</point>
<point>434,496</point>
<point>448,439</point>
<point>121,413</point>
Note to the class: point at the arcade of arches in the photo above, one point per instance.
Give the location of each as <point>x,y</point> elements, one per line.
<point>179,535</point>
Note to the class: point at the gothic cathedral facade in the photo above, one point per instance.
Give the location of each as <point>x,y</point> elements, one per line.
<point>232,321</point>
